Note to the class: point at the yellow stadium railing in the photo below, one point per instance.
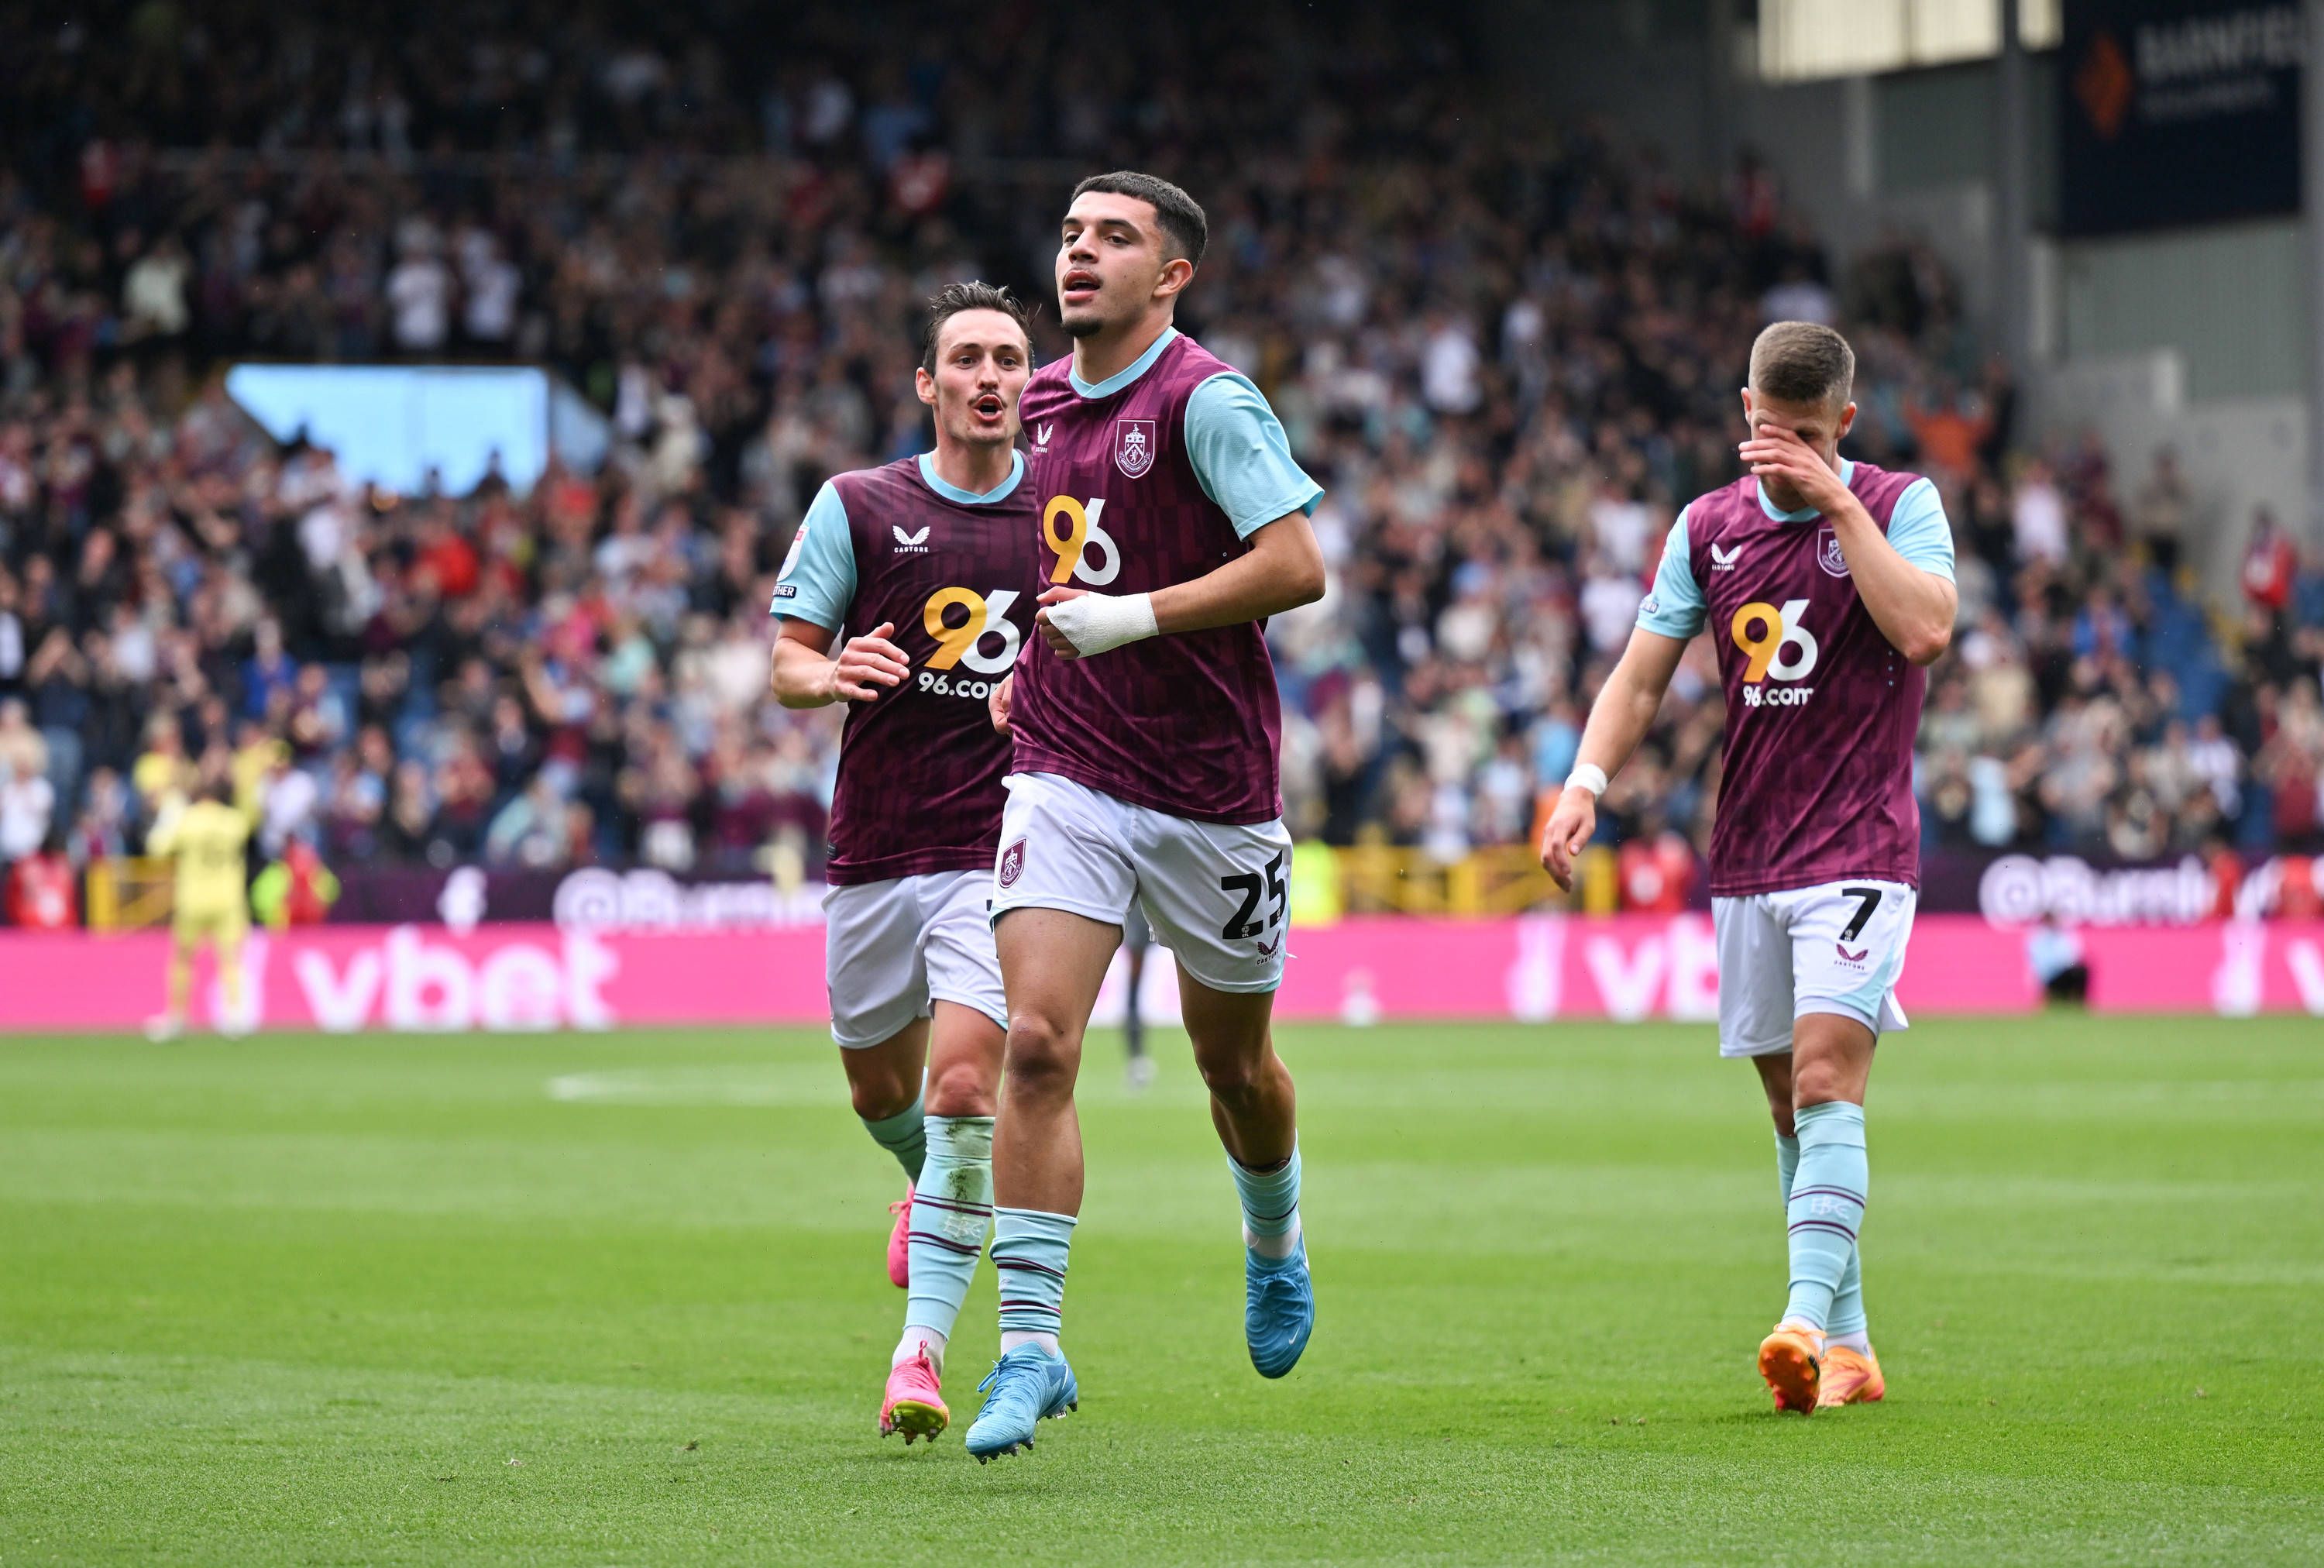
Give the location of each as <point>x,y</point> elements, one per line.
<point>127,891</point>
<point>1499,880</point>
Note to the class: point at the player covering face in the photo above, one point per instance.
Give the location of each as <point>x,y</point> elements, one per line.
<point>928,563</point>
<point>1827,588</point>
<point>1145,775</point>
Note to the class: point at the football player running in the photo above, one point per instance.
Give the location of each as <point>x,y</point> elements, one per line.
<point>928,563</point>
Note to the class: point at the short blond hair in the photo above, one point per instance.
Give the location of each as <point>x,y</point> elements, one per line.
<point>1803,362</point>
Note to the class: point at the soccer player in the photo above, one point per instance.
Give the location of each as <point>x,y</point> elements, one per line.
<point>1145,769</point>
<point>1827,586</point>
<point>207,839</point>
<point>929,563</point>
<point>1136,940</point>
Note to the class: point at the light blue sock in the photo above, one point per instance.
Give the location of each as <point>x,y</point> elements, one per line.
<point>1029,1253</point>
<point>904,1135</point>
<point>1847,1301</point>
<point>951,1208</point>
<point>1825,1206</point>
<point>1270,1206</point>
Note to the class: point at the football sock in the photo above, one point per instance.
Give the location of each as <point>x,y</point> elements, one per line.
<point>952,1207</point>
<point>181,982</point>
<point>229,968</point>
<point>1028,1254</point>
<point>916,1339</point>
<point>1846,1326</point>
<point>1825,1207</point>
<point>1858,1342</point>
<point>1270,1206</point>
<point>904,1135</point>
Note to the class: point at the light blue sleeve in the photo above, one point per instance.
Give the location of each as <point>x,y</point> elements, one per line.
<point>1918,530</point>
<point>1674,605</point>
<point>1241,456</point>
<point>817,582</point>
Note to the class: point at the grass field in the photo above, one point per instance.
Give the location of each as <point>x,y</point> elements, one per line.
<point>618,1299</point>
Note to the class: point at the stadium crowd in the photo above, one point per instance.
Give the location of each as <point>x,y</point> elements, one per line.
<point>1509,350</point>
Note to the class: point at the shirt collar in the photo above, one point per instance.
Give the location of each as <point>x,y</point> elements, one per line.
<point>1846,475</point>
<point>1119,379</point>
<point>954,493</point>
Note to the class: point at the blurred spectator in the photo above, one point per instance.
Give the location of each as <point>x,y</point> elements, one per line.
<point>297,889</point>
<point>43,890</point>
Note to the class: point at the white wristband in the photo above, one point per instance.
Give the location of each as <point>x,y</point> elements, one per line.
<point>1587,775</point>
<point>1096,622</point>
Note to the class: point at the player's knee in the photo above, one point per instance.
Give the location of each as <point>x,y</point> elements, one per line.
<point>877,1096</point>
<point>1041,1054</point>
<point>1234,1081</point>
<point>959,1089</point>
<point>1817,1084</point>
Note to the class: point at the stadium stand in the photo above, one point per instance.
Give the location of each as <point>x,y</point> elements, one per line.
<point>1511,349</point>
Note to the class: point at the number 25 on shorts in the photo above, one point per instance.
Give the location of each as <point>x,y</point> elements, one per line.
<point>1071,530</point>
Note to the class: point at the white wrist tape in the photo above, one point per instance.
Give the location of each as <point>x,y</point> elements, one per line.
<point>1096,623</point>
<point>1587,775</point>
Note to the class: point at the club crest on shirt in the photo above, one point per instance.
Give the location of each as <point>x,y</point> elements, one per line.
<point>1012,863</point>
<point>1133,447</point>
<point>1829,555</point>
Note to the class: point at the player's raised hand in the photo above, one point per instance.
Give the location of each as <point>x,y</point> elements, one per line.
<point>1773,452</point>
<point>1571,821</point>
<point>867,663</point>
<point>999,701</point>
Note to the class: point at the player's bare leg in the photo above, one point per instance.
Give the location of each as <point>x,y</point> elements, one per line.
<point>1255,1108</point>
<point>172,1023</point>
<point>1052,963</point>
<point>1816,1095</point>
<point>950,1211</point>
<point>233,1017</point>
<point>883,1082</point>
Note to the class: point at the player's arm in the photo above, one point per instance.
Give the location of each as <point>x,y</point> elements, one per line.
<point>1674,611</point>
<point>813,594</point>
<point>1618,720</point>
<point>808,675</point>
<point>1243,461</point>
<point>1908,594</point>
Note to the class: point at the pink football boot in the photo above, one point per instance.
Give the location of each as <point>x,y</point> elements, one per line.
<point>899,1243</point>
<point>915,1404</point>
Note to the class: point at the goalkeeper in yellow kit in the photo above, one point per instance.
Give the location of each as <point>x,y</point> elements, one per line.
<point>207,840</point>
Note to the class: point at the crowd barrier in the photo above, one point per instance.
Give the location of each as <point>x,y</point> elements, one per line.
<point>539,976</point>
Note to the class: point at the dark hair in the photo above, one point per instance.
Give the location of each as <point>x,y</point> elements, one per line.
<point>1184,227</point>
<point>1801,362</point>
<point>971,295</point>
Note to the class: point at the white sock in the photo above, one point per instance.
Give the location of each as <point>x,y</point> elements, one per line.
<point>1276,1247</point>
<point>1011,1338</point>
<point>1860,1341</point>
<point>914,1338</point>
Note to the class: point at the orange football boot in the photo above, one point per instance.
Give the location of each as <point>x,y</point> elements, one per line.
<point>1791,1360</point>
<point>1850,1378</point>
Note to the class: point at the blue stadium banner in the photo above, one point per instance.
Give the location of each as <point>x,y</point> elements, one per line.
<point>2174,113</point>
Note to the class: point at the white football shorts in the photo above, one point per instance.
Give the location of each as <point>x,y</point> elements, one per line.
<point>1218,896</point>
<point>893,948</point>
<point>1836,949</point>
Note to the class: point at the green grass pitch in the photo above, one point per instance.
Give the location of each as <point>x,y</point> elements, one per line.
<point>620,1299</point>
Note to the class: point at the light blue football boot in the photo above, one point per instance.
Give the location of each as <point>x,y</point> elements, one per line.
<point>1279,1310</point>
<point>1028,1385</point>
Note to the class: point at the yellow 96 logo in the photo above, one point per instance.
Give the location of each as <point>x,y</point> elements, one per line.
<point>1071,530</point>
<point>960,639</point>
<point>1775,647</point>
